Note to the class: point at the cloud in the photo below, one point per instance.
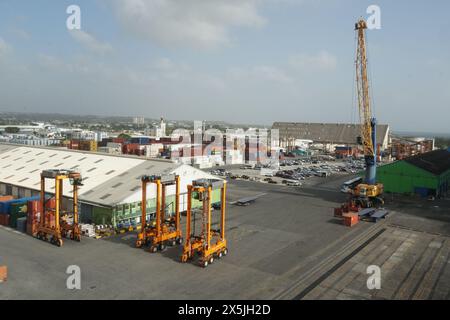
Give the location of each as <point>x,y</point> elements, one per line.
<point>197,24</point>
<point>5,48</point>
<point>20,33</point>
<point>323,60</point>
<point>263,73</point>
<point>90,42</point>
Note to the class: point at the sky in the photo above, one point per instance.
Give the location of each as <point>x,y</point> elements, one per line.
<point>241,61</point>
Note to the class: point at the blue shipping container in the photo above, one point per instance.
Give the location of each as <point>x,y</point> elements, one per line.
<point>5,207</point>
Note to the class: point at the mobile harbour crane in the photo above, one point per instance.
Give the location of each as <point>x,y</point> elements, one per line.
<point>366,197</point>
<point>367,194</point>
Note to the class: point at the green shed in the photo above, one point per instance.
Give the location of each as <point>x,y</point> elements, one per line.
<point>426,174</point>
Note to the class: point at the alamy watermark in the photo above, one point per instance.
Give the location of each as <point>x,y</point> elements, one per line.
<point>73,281</point>
<point>374,20</point>
<point>255,146</point>
<point>73,22</point>
<point>374,280</point>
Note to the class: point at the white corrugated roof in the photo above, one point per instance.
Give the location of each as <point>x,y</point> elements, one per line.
<point>107,179</point>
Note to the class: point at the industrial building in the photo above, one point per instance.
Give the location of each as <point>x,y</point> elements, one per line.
<point>426,174</point>
<point>328,134</point>
<point>111,191</point>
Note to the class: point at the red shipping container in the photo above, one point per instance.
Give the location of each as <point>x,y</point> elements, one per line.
<point>32,228</point>
<point>118,140</point>
<point>4,219</point>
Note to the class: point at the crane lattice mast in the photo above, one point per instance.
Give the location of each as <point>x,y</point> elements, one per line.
<point>368,123</point>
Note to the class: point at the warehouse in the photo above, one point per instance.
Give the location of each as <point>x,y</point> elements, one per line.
<point>426,174</point>
<point>111,191</point>
<point>332,134</point>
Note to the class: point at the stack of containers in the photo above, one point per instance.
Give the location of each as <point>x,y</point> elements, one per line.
<point>18,210</point>
<point>50,215</point>
<point>11,210</point>
<point>4,217</point>
<point>88,145</point>
<point>74,144</point>
<point>32,217</point>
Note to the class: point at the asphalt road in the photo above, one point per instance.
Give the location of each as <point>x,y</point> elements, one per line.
<point>272,244</point>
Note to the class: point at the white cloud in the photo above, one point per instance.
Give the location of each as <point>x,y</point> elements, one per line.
<point>5,48</point>
<point>196,23</point>
<point>90,42</point>
<point>320,61</point>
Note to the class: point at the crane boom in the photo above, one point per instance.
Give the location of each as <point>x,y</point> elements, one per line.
<point>368,123</point>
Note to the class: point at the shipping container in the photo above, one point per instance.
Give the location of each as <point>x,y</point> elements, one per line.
<point>22,224</point>
<point>18,210</point>
<point>4,219</point>
<point>6,198</point>
<point>5,206</point>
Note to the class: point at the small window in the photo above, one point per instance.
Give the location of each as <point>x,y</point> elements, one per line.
<point>9,177</point>
<point>98,161</point>
<point>117,185</point>
<point>59,164</point>
<point>5,157</point>
<point>66,157</point>
<point>105,196</point>
<point>53,155</point>
<point>109,172</point>
<point>38,154</point>
<point>92,169</point>
<point>88,192</point>
<point>17,159</point>
<point>84,158</point>
<point>18,169</point>
<point>43,163</point>
<point>30,160</point>
<point>135,188</point>
<point>37,183</point>
<point>26,152</point>
<point>24,180</point>
<point>123,174</point>
<point>7,166</point>
<point>33,171</point>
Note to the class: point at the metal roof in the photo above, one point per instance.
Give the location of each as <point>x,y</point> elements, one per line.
<point>107,179</point>
<point>436,162</point>
<point>337,133</point>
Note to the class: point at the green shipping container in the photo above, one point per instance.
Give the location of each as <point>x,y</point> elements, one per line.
<point>18,210</point>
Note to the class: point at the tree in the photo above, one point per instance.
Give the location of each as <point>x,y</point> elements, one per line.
<point>124,136</point>
<point>12,130</point>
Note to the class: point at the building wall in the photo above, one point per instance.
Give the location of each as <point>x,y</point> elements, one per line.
<point>102,215</point>
<point>444,183</point>
<point>402,177</point>
<point>131,212</point>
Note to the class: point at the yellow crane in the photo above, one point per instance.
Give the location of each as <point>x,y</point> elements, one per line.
<point>52,227</point>
<point>163,229</point>
<point>368,193</point>
<point>209,243</point>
